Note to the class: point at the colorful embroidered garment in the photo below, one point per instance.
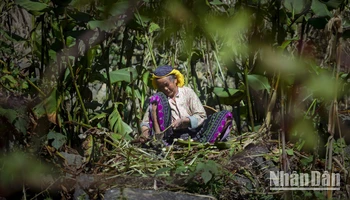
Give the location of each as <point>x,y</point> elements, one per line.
<point>215,128</point>
<point>163,113</point>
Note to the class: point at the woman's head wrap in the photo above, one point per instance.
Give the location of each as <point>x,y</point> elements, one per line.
<point>164,71</point>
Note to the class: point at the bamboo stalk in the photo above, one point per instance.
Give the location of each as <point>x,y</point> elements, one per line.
<point>250,108</point>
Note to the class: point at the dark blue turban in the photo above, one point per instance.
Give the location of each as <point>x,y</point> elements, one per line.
<point>163,70</point>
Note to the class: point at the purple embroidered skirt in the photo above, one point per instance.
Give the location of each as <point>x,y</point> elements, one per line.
<point>216,127</point>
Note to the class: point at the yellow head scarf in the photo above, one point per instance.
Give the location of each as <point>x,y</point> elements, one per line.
<point>180,78</point>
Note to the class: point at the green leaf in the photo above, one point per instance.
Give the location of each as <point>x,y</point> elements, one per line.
<point>98,116</point>
<point>206,176</point>
<point>180,169</point>
<point>79,16</point>
<point>200,166</point>
<point>125,128</point>
<point>115,136</point>
<point>48,106</point>
<point>334,3</point>
<point>217,2</point>
<point>145,77</point>
<point>320,9</point>
<point>295,6</point>
<point>290,152</point>
<point>228,96</point>
<point>105,25</point>
<point>121,75</point>
<point>31,5</point>
<point>258,82</point>
<point>10,114</point>
<point>162,170</point>
<point>21,125</point>
<point>10,79</point>
<point>11,36</point>
<point>225,92</point>
<point>306,161</point>
<point>58,139</point>
<point>24,85</point>
<point>212,166</point>
<point>118,8</point>
<point>153,27</point>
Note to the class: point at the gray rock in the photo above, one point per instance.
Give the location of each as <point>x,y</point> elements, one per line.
<point>140,194</point>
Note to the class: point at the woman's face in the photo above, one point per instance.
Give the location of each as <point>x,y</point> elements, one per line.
<point>167,85</point>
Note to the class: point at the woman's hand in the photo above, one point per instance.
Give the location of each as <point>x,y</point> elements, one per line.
<point>144,134</point>
<point>181,123</point>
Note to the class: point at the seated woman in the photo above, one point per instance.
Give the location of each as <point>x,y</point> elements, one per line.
<point>176,112</point>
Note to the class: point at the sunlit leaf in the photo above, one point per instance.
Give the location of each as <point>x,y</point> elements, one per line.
<point>225,92</point>
<point>121,75</point>
<point>153,27</point>
<point>99,116</point>
<point>10,79</point>
<point>290,152</point>
<point>258,82</point>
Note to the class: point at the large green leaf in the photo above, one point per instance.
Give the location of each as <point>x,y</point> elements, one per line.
<point>122,75</point>
<point>117,124</point>
<point>228,96</point>
<point>295,6</point>
<point>334,3</point>
<point>258,82</point>
<point>320,9</point>
<point>31,5</point>
<point>225,92</point>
